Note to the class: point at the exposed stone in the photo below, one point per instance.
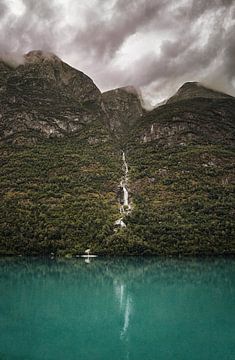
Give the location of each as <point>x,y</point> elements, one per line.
<point>123,108</point>
<point>47,96</point>
<point>196,120</point>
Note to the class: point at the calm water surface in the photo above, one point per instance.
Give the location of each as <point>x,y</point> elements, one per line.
<point>117,309</point>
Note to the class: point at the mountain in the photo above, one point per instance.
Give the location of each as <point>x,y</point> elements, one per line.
<point>83,169</point>
<point>192,90</point>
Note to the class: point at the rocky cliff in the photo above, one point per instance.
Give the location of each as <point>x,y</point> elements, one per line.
<point>124,108</point>
<point>193,120</point>
<point>61,154</point>
<point>45,97</point>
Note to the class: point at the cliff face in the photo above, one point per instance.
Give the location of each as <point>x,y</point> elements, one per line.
<point>123,108</point>
<point>60,189</point>
<point>189,121</point>
<point>45,97</point>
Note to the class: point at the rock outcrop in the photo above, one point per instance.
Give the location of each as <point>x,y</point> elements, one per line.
<point>123,107</point>
<point>45,97</point>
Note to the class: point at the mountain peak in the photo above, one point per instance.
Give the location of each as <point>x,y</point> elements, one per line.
<point>194,89</point>
<point>39,55</point>
<point>124,106</point>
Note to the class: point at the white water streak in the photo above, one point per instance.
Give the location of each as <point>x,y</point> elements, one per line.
<point>126,316</point>
<point>125,206</point>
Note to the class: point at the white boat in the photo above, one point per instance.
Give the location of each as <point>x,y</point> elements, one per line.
<point>87,256</point>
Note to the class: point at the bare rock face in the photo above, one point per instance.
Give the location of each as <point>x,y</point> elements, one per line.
<point>45,97</point>
<point>123,108</point>
<point>58,75</point>
<point>191,90</point>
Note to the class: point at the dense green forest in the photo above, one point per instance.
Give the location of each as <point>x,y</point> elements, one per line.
<point>60,196</point>
<point>183,198</point>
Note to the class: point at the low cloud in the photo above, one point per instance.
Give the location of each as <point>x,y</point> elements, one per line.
<point>12,59</point>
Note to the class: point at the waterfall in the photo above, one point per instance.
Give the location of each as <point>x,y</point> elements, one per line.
<point>125,206</point>
<point>124,184</point>
<point>125,163</point>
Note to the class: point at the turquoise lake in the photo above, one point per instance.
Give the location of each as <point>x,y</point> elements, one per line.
<point>136,308</point>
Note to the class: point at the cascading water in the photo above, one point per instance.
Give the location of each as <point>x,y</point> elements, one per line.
<point>125,206</point>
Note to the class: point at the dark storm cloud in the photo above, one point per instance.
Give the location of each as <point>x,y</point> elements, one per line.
<point>229,51</point>
<point>103,38</point>
<point>3,8</point>
<point>197,8</point>
<point>180,56</point>
<point>187,56</point>
<point>34,27</point>
<point>197,36</point>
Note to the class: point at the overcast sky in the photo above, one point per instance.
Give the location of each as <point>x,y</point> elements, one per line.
<point>155,45</point>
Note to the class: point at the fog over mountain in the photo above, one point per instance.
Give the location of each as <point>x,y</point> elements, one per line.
<point>155,45</point>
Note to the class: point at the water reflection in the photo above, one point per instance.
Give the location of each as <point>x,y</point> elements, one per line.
<point>112,303</point>
<point>127,314</point>
<point>134,271</point>
<point>125,305</point>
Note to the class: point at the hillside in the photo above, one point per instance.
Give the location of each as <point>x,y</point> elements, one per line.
<point>62,167</point>
<point>182,161</point>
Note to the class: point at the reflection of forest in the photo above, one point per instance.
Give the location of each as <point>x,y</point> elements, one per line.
<point>129,271</point>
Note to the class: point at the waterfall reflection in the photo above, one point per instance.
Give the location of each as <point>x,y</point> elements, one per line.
<point>125,305</point>
<point>126,316</point>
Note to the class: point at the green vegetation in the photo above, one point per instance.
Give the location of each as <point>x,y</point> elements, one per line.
<point>60,195</point>
<point>57,196</point>
<point>183,199</point>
